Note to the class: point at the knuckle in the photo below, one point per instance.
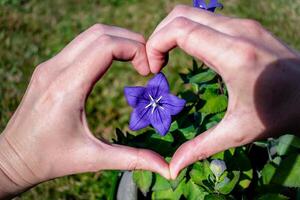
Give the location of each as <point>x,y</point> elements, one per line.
<point>252,26</point>
<point>141,38</point>
<point>140,50</point>
<point>252,23</point>
<point>105,39</point>
<point>151,47</point>
<point>135,163</point>
<point>180,10</point>
<point>98,28</point>
<point>39,75</point>
<point>180,23</point>
<point>248,52</point>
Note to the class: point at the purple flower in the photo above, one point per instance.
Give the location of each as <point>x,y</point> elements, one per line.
<point>153,105</point>
<point>213,4</point>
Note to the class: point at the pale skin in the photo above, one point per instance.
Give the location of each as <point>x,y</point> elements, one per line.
<point>48,136</point>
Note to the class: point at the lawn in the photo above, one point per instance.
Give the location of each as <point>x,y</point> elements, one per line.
<point>32,31</point>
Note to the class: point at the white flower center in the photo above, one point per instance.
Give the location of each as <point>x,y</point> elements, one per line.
<point>154,103</point>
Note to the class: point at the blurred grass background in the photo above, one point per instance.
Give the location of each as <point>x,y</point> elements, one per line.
<point>32,31</point>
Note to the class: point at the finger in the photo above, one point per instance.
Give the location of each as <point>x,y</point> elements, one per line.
<point>82,41</point>
<point>95,155</point>
<point>245,28</point>
<point>92,63</point>
<point>127,158</point>
<point>195,14</point>
<point>205,43</point>
<point>229,133</point>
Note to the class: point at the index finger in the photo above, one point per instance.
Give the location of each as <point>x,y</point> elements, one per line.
<point>198,15</point>
<point>203,42</point>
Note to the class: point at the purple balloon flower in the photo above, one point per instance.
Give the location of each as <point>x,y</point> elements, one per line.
<point>153,105</point>
<point>213,4</point>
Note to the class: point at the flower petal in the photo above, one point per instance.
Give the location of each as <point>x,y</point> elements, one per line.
<point>200,4</point>
<point>140,118</point>
<point>135,95</point>
<point>161,121</point>
<point>172,104</point>
<point>158,85</point>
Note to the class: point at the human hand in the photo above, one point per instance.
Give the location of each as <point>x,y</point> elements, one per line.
<point>261,74</point>
<point>48,136</point>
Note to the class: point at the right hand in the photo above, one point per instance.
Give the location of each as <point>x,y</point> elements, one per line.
<point>262,76</point>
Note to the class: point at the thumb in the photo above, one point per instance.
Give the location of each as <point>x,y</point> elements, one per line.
<point>128,158</point>
<point>101,156</point>
<point>228,133</point>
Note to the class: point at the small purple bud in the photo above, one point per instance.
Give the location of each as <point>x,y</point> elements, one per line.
<point>217,167</point>
<point>213,4</point>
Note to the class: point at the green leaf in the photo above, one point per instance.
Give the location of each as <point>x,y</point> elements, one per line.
<point>289,172</point>
<point>174,126</point>
<point>215,105</point>
<point>188,132</point>
<point>227,185</point>
<point>160,183</point>
<point>169,193</point>
<point>215,197</point>
<point>167,138</point>
<point>286,143</point>
<point>121,139</point>
<point>268,173</point>
<point>263,144</point>
<point>203,77</point>
<point>210,93</point>
<point>201,172</point>
<point>175,183</point>
<point>143,180</point>
<point>224,155</point>
<point>194,192</point>
<point>273,197</point>
<point>240,162</point>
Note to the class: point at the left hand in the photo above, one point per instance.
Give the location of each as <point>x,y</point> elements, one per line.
<point>261,74</point>
<point>48,136</point>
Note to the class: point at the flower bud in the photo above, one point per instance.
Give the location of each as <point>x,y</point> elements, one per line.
<point>217,167</point>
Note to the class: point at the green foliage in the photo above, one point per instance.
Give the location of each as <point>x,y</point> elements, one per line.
<point>207,103</point>
<point>194,192</point>
<point>205,109</point>
<point>228,183</point>
<point>268,173</point>
<point>161,184</point>
<point>203,77</point>
<point>273,197</point>
<point>287,144</point>
<point>169,193</point>
<point>289,172</point>
<point>143,179</point>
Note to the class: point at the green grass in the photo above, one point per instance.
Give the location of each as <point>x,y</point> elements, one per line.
<point>33,31</point>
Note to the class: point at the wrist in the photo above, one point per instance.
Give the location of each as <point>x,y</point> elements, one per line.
<point>8,188</point>
<point>15,175</point>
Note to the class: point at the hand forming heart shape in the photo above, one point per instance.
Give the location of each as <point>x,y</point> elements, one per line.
<point>254,66</point>
<point>48,136</point>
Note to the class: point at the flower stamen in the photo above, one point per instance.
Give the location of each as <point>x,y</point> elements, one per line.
<point>154,103</point>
